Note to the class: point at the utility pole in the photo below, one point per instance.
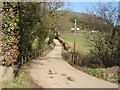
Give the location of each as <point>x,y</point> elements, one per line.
<point>74,40</point>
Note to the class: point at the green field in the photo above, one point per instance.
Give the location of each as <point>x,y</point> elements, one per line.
<point>82,41</point>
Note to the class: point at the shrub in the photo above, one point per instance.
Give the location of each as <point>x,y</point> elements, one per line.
<point>106,50</point>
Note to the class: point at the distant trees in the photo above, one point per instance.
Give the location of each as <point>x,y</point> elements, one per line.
<point>106,14</point>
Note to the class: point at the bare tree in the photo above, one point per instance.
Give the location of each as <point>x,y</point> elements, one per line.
<point>107,14</point>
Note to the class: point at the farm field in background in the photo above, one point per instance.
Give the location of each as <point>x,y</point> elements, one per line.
<point>83,41</point>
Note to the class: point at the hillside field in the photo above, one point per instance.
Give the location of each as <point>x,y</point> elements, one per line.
<point>83,41</point>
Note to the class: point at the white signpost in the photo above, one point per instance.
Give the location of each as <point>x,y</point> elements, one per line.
<point>75,29</point>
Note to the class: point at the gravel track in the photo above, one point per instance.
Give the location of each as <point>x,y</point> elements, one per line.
<point>54,72</point>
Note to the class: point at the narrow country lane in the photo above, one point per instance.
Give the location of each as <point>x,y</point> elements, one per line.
<point>54,72</point>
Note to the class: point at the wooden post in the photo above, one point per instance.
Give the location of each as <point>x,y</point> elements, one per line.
<point>74,41</point>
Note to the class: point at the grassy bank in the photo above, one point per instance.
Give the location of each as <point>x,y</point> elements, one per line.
<point>107,74</point>
<point>82,41</point>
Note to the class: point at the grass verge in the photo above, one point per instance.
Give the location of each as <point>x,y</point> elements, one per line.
<point>100,73</point>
